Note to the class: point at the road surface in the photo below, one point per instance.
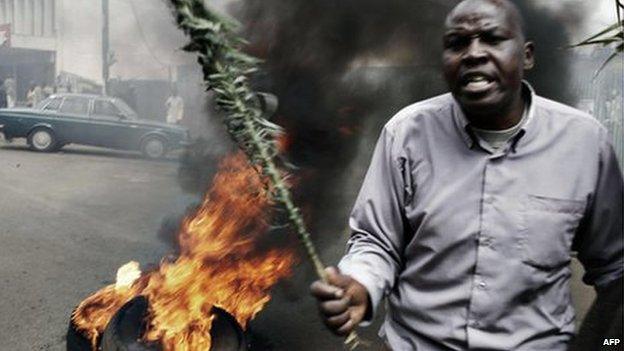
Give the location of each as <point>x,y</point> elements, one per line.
<point>68,220</point>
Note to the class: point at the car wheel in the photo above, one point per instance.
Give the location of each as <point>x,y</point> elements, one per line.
<point>154,147</point>
<point>42,139</point>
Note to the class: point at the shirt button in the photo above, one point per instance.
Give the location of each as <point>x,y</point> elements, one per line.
<point>485,241</point>
<point>482,285</point>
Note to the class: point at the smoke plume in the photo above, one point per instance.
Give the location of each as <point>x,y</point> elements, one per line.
<point>341,69</point>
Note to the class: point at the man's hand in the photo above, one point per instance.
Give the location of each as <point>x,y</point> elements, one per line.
<point>343,302</point>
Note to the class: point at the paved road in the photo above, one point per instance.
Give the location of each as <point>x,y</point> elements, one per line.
<point>67,221</point>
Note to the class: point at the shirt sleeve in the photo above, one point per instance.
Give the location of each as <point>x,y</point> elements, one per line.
<point>377,222</point>
<point>599,242</point>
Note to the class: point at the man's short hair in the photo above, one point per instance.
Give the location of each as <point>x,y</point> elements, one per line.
<point>513,10</point>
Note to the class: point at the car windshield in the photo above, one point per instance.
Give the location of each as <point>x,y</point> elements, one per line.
<point>127,110</point>
<point>42,103</point>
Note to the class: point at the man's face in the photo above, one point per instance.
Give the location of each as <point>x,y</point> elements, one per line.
<point>485,56</point>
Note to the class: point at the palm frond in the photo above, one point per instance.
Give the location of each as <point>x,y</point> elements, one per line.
<point>610,28</point>
<point>612,35</point>
<point>226,67</point>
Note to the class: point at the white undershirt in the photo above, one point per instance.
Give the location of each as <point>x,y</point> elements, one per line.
<point>497,139</point>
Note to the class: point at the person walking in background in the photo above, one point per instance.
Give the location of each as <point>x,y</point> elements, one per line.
<point>30,95</point>
<point>9,88</point>
<point>175,107</point>
<point>3,97</point>
<point>34,95</point>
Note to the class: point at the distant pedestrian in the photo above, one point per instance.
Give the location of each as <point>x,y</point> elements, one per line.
<point>34,95</point>
<point>11,95</point>
<point>3,97</point>
<point>175,107</point>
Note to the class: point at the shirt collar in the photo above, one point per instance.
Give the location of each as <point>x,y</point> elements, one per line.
<point>466,133</point>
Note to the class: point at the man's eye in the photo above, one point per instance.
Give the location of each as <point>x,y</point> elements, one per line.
<point>456,42</point>
<point>492,39</point>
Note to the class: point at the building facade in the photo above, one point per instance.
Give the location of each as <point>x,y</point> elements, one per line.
<point>28,51</point>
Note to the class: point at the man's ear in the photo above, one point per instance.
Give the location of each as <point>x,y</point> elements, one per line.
<point>529,57</point>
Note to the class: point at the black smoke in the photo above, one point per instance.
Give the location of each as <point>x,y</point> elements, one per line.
<point>552,73</point>
<point>341,68</point>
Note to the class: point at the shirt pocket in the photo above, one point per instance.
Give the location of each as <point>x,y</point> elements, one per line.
<point>547,228</point>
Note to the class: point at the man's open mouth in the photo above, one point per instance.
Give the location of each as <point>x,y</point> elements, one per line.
<point>477,83</point>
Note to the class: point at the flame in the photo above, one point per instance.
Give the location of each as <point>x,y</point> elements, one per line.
<point>284,142</point>
<point>127,275</point>
<point>219,265</point>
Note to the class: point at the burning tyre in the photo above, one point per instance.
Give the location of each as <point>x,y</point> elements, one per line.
<point>204,298</point>
<point>124,331</point>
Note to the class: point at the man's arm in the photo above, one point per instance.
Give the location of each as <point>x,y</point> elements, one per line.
<point>374,250</point>
<point>600,238</point>
<point>600,246</point>
<point>604,320</point>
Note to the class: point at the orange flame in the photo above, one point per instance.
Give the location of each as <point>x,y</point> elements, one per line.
<point>284,142</point>
<point>219,265</point>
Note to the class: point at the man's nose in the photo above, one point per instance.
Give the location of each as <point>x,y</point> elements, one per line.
<point>475,53</point>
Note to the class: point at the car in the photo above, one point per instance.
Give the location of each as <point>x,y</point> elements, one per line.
<point>93,120</point>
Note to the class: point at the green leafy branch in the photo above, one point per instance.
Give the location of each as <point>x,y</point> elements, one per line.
<point>226,68</point>
<point>612,36</point>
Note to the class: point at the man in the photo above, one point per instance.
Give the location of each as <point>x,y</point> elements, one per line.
<point>11,95</point>
<point>3,96</point>
<point>34,95</point>
<point>175,107</point>
<point>473,203</point>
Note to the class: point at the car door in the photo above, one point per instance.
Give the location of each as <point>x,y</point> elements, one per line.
<point>47,115</point>
<point>73,124</point>
<point>135,129</point>
<point>111,128</point>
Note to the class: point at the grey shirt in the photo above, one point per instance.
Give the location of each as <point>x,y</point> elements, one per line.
<point>470,245</point>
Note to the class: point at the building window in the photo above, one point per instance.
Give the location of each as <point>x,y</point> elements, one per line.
<point>29,17</point>
<point>38,18</point>
<point>49,19</point>
<point>3,12</point>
